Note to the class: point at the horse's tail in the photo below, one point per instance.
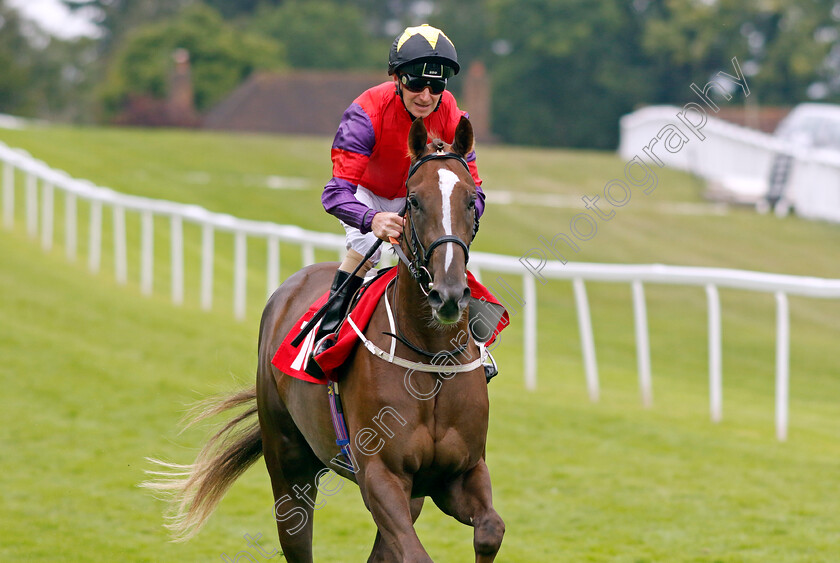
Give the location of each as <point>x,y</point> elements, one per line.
<point>193,491</point>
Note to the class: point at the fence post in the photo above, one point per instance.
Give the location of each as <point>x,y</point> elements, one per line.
<point>240,267</point>
<point>47,216</point>
<point>207,266</point>
<point>177,250</point>
<point>95,239</point>
<point>147,251</point>
<point>273,267</point>
<point>120,260</point>
<point>70,226</point>
<point>308,252</point>
<point>587,341</point>
<point>642,343</point>
<point>715,363</point>
<point>782,365</point>
<point>31,205</point>
<point>8,195</point>
<point>530,290</point>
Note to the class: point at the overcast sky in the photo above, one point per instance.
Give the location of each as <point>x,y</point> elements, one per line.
<point>54,17</point>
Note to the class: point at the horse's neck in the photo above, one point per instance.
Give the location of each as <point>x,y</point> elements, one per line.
<point>414,316</point>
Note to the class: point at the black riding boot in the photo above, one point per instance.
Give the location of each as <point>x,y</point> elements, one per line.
<point>335,314</point>
<point>490,369</point>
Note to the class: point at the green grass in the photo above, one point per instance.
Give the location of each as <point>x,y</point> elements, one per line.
<point>95,376</point>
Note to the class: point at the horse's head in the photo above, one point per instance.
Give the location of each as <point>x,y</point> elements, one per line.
<point>440,215</point>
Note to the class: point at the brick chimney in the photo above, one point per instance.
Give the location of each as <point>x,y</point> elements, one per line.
<point>476,100</point>
<point>180,103</point>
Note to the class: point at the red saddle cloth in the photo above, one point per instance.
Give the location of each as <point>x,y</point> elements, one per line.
<point>292,361</point>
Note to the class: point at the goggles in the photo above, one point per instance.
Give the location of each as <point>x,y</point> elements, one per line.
<point>417,84</point>
<point>428,69</point>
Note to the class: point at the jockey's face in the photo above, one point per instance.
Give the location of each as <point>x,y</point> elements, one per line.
<point>419,104</point>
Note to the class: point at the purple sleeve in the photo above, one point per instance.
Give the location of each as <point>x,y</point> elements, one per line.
<point>479,203</point>
<point>355,132</point>
<point>352,146</point>
<point>339,199</point>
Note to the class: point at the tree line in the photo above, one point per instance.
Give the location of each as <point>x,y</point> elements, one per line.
<point>562,71</point>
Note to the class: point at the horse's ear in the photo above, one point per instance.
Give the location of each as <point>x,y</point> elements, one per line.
<point>463,142</point>
<point>418,137</point>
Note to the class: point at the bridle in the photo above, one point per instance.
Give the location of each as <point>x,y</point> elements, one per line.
<point>420,255</point>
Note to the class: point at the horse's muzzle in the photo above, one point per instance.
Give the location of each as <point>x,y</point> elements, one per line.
<point>448,302</point>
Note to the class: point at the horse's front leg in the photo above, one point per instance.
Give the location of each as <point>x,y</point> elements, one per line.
<point>387,496</point>
<point>469,500</point>
<point>381,553</point>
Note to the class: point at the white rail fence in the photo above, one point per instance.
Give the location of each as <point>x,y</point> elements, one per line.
<point>735,156</point>
<point>41,180</point>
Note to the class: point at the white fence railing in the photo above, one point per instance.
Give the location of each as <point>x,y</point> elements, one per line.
<point>735,156</point>
<point>38,175</point>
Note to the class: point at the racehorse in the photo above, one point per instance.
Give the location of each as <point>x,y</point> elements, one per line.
<point>425,448</point>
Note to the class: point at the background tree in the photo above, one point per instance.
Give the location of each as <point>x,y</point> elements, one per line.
<point>787,49</point>
<point>220,58</point>
<point>567,71</point>
<point>41,76</point>
<point>116,17</point>
<point>563,71</point>
<point>59,85</point>
<point>324,34</point>
<point>688,41</point>
<point>797,50</point>
<point>240,8</point>
<point>469,24</point>
<point>14,64</point>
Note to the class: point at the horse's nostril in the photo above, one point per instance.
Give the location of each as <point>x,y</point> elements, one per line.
<point>449,302</point>
<point>465,298</point>
<point>435,300</point>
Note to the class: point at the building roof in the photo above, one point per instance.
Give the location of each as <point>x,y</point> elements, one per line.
<point>763,118</point>
<point>306,102</point>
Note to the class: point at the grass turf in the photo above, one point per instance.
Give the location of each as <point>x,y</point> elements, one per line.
<point>95,376</point>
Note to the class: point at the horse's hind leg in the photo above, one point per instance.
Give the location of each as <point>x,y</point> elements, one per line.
<point>469,500</point>
<point>292,467</point>
<point>381,553</point>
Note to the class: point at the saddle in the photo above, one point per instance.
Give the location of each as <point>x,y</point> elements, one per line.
<point>487,318</point>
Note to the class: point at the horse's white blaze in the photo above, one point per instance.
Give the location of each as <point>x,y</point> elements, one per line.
<point>447,181</point>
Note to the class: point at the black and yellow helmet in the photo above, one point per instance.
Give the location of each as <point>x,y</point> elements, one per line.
<point>423,51</point>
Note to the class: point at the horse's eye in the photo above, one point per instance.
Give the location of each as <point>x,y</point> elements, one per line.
<point>413,201</point>
<point>471,204</point>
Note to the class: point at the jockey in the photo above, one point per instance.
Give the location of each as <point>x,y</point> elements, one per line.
<point>370,155</point>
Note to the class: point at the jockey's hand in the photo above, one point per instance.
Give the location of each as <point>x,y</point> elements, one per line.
<point>386,225</point>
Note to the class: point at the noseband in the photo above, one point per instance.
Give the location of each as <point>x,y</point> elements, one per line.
<point>418,265</point>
